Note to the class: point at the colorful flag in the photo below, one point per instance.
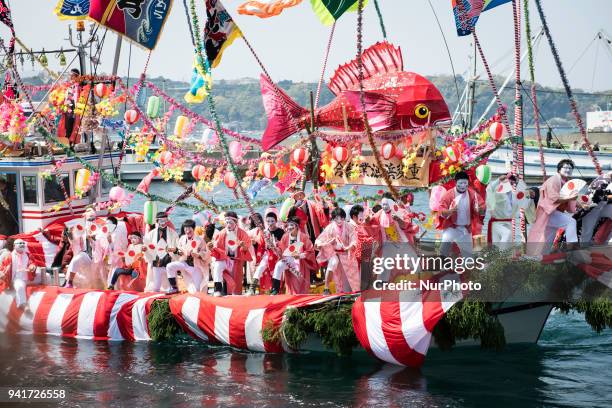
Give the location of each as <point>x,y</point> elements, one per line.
<point>72,9</point>
<point>197,89</point>
<point>140,21</point>
<point>329,11</point>
<point>471,12</point>
<point>219,32</point>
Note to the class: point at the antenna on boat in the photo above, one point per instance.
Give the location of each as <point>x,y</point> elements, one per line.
<point>81,46</point>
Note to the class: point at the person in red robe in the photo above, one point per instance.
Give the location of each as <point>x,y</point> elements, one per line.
<point>461,213</point>
<point>311,214</point>
<point>230,249</point>
<point>262,278</point>
<point>298,259</point>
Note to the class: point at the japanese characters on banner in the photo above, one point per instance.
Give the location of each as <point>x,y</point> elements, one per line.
<point>369,173</point>
<point>140,21</point>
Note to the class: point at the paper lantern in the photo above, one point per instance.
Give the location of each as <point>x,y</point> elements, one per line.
<point>284,211</point>
<point>131,116</point>
<point>198,172</point>
<point>483,174</point>
<point>116,194</point>
<point>399,153</point>
<point>101,90</point>
<point>497,131</point>
<point>235,150</point>
<point>300,155</point>
<point>179,126</point>
<point>165,157</point>
<point>452,153</point>
<point>230,180</point>
<point>340,154</point>
<point>435,197</point>
<point>268,170</point>
<point>209,137</point>
<point>388,150</point>
<point>82,178</point>
<point>150,212</point>
<point>153,107</point>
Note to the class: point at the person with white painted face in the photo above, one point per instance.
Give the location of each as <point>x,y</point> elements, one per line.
<point>230,251</point>
<point>461,212</point>
<point>16,270</point>
<point>160,243</point>
<point>193,261</point>
<point>262,278</point>
<point>554,212</point>
<point>86,268</point>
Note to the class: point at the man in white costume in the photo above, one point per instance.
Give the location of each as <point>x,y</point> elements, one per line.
<point>164,240</point>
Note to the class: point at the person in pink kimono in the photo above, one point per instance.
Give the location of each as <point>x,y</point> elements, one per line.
<point>298,259</point>
<point>393,222</point>
<point>554,212</point>
<point>87,269</point>
<point>337,246</point>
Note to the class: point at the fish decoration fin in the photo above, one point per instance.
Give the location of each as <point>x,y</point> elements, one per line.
<point>276,103</point>
<point>380,108</point>
<point>382,57</point>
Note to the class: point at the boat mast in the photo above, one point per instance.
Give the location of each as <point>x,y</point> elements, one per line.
<point>471,101</point>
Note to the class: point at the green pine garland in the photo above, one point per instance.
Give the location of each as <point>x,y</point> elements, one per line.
<point>332,322</point>
<point>162,325</point>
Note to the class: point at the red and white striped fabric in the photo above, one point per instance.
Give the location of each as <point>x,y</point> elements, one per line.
<point>80,313</point>
<point>236,321</point>
<point>399,332</point>
<point>599,268</point>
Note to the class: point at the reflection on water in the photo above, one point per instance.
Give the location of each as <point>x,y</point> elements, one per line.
<point>571,367</point>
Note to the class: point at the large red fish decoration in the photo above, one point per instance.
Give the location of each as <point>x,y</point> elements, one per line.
<point>394,99</point>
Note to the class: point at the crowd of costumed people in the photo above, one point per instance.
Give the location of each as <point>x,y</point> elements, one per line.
<point>308,239</point>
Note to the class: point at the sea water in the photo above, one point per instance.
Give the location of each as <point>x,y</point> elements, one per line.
<point>570,367</point>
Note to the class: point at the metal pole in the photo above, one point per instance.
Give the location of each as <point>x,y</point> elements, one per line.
<point>117,54</point>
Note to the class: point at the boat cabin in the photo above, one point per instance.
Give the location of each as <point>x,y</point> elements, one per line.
<point>28,198</point>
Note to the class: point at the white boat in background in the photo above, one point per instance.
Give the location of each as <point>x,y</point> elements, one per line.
<point>501,159</point>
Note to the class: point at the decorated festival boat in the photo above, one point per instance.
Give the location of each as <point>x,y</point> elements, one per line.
<point>386,126</point>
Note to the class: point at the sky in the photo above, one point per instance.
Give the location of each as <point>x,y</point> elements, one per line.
<point>292,45</point>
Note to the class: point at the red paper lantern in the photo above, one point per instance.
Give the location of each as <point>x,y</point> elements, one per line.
<point>497,131</point>
<point>165,157</point>
<point>341,154</point>
<point>300,155</point>
<point>269,170</point>
<point>131,116</point>
<point>230,180</point>
<point>198,172</point>
<point>101,90</point>
<point>388,151</point>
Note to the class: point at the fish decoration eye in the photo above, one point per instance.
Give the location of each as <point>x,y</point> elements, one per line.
<point>421,111</point>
